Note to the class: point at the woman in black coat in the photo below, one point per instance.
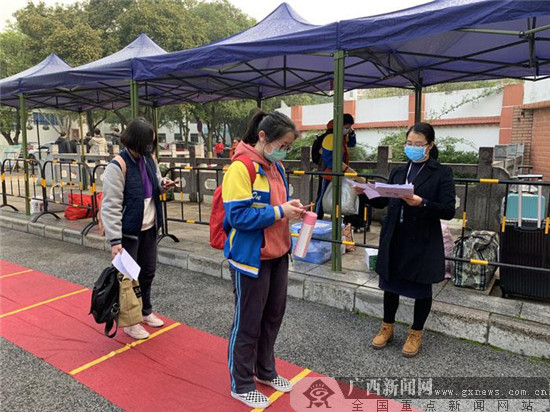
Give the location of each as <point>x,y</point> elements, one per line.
<point>411,255</point>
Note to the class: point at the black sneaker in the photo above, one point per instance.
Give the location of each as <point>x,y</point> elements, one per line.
<point>255,399</point>
<point>279,383</point>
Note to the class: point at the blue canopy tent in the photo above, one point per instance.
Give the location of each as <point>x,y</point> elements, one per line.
<point>273,57</point>
<point>442,41</point>
<point>10,95</point>
<point>10,87</point>
<point>104,83</point>
<point>448,41</point>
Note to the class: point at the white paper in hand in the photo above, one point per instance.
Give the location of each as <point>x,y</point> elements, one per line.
<point>368,189</point>
<point>126,265</point>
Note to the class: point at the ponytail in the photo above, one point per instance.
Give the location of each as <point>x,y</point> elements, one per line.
<point>251,135</point>
<point>434,152</point>
<point>275,125</point>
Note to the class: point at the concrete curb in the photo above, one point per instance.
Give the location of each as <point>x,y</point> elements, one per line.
<point>349,290</point>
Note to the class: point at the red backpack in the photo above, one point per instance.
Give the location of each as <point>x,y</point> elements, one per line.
<point>217,215</point>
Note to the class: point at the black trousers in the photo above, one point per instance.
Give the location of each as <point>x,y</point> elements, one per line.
<point>143,249</point>
<point>422,308</point>
<point>260,305</point>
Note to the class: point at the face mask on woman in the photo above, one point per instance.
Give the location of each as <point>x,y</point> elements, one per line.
<point>415,153</point>
<point>276,155</point>
<point>148,149</point>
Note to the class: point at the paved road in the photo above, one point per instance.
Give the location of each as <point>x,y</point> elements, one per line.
<point>327,340</point>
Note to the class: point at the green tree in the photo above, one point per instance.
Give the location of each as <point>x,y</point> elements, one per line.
<point>103,16</point>
<point>219,19</point>
<point>168,23</point>
<point>9,124</point>
<point>12,61</point>
<point>60,29</point>
<point>12,53</point>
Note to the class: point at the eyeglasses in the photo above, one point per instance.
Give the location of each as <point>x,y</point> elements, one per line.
<point>285,149</point>
<point>410,144</point>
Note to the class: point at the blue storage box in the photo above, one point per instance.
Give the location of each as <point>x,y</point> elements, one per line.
<point>529,207</point>
<point>317,252</point>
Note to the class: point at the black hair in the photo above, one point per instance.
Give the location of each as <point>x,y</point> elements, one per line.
<point>348,119</point>
<point>88,134</point>
<point>275,125</point>
<point>138,135</point>
<point>97,132</point>
<point>63,134</point>
<point>426,130</point>
<point>116,130</point>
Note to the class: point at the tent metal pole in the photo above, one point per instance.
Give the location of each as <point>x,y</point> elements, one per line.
<point>536,30</point>
<point>84,176</point>
<point>23,122</point>
<point>37,122</point>
<point>417,104</point>
<point>489,31</point>
<point>339,60</point>
<point>155,113</point>
<point>134,99</point>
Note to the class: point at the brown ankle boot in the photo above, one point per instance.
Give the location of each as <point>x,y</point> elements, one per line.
<point>412,344</point>
<point>384,336</point>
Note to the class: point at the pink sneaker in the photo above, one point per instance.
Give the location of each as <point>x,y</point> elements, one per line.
<point>136,332</point>
<point>153,321</point>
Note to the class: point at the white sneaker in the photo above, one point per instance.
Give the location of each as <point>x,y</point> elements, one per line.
<point>279,383</point>
<point>136,332</point>
<point>255,399</point>
<point>153,321</point>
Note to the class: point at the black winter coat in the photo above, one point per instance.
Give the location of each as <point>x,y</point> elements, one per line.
<point>422,259</point>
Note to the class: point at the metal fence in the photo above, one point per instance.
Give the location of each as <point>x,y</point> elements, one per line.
<point>70,180</point>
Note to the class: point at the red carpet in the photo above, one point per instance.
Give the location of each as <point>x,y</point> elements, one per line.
<point>177,369</point>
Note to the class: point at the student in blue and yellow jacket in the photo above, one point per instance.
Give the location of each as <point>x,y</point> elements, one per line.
<point>257,249</point>
<point>349,140</point>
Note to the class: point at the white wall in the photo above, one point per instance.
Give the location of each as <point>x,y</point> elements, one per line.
<point>318,114</point>
<point>538,91</point>
<point>386,109</point>
<point>287,110</point>
<point>480,136</point>
<point>436,103</point>
<point>372,137</point>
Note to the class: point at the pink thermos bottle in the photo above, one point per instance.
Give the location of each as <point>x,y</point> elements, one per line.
<point>306,232</point>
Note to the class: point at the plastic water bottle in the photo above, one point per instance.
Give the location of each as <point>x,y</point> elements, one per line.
<point>306,232</point>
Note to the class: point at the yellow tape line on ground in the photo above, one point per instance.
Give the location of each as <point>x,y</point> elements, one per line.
<point>123,349</point>
<point>276,395</point>
<point>44,302</point>
<point>16,273</point>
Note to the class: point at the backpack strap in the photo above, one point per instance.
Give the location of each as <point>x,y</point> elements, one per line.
<point>249,166</point>
<point>118,159</point>
<point>109,325</point>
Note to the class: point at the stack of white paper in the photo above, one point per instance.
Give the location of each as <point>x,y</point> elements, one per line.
<point>374,190</point>
<point>126,265</point>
